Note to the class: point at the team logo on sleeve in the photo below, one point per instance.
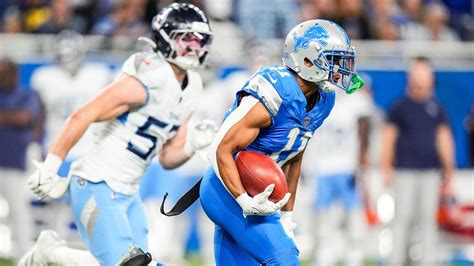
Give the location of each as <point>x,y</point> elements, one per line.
<point>312,34</point>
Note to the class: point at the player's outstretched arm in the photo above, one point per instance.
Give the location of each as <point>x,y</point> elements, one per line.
<point>116,99</point>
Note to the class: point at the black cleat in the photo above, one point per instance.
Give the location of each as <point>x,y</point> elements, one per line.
<point>135,257</point>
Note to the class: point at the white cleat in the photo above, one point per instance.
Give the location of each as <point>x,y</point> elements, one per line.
<point>37,256</point>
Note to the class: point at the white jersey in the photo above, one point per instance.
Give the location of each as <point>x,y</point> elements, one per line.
<point>335,145</point>
<point>217,98</point>
<point>62,93</point>
<point>124,146</point>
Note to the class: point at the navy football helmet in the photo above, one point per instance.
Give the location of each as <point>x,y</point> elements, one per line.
<point>182,35</point>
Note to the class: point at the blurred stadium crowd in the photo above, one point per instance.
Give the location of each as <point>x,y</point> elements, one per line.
<point>362,19</point>
<point>247,36</point>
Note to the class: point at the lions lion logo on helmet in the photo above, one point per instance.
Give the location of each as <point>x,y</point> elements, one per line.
<point>312,34</point>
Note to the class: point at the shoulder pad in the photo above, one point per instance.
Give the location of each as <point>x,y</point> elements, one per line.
<point>148,68</point>
<point>282,80</point>
<point>265,91</point>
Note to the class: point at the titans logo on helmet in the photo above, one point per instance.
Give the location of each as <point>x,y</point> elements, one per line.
<point>312,34</point>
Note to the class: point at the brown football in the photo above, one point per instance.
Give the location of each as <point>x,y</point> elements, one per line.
<point>257,171</point>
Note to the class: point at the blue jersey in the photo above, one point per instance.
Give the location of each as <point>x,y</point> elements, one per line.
<point>238,240</point>
<point>292,126</point>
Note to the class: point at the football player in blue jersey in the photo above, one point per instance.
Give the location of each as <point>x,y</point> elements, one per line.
<point>275,113</point>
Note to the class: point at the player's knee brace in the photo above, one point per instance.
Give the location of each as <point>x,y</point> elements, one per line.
<point>287,259</point>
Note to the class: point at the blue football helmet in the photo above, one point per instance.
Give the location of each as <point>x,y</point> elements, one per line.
<point>328,47</point>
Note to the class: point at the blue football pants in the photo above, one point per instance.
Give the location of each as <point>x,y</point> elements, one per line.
<point>109,222</point>
<point>253,240</point>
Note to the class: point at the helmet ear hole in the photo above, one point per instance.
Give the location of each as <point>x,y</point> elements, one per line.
<point>307,62</point>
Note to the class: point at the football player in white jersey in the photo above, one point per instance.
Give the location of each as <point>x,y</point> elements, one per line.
<point>336,155</point>
<point>63,87</point>
<point>145,112</point>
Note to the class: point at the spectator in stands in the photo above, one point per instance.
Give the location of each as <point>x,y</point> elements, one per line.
<point>62,17</point>
<point>382,8</point>
<point>19,111</point>
<point>138,8</point>
<point>413,10</point>
<point>4,5</point>
<point>353,19</point>
<point>432,27</point>
<point>385,29</point>
<point>417,142</point>
<point>409,21</point>
<point>462,17</point>
<point>385,19</point>
<point>436,19</point>
<point>123,25</point>
<point>12,22</point>
<point>90,11</point>
<point>33,12</point>
<point>326,9</point>
<point>267,19</point>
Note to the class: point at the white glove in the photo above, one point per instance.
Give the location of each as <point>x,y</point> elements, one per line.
<point>199,136</point>
<point>286,219</point>
<point>45,181</point>
<point>259,204</point>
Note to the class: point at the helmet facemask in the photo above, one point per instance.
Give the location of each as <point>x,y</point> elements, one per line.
<point>337,61</point>
<point>189,49</point>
